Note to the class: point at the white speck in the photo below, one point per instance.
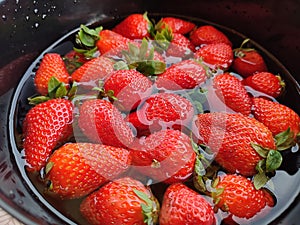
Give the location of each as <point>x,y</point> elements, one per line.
<point>17,2</point>
<point>44,16</point>
<point>4,17</point>
<point>27,18</point>
<point>36,25</point>
<point>35,11</point>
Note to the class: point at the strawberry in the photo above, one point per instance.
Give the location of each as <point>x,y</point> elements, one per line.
<point>177,25</point>
<point>52,65</point>
<point>166,156</point>
<point>248,61</point>
<point>216,55</point>
<point>186,74</point>
<point>45,126</point>
<point>234,139</point>
<point>73,60</point>
<point>102,123</point>
<point>277,117</point>
<point>93,70</point>
<point>110,40</point>
<point>76,169</point>
<point>129,87</point>
<point>162,111</point>
<point>237,195</point>
<point>208,34</point>
<point>123,201</point>
<point>182,205</point>
<point>231,91</point>
<point>134,26</point>
<point>265,82</point>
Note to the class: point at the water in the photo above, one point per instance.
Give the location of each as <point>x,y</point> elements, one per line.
<point>68,210</point>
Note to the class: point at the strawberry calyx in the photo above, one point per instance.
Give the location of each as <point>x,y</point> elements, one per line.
<point>56,89</point>
<point>150,208</point>
<point>163,38</point>
<point>142,59</point>
<point>285,140</point>
<point>151,28</point>
<point>240,51</point>
<point>86,39</point>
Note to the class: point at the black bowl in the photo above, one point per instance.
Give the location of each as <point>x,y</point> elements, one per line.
<point>30,28</point>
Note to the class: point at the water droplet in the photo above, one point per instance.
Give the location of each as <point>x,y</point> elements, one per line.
<point>16,10</point>
<point>4,17</point>
<point>36,25</point>
<point>35,11</point>
<point>17,2</point>
<point>11,194</point>
<point>27,18</point>
<point>44,16</point>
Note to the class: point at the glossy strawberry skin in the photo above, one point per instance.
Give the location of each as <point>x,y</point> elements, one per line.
<point>208,34</point>
<point>217,55</point>
<point>77,169</point>
<point>116,203</point>
<point>102,123</point>
<point>186,74</point>
<point>277,117</point>
<point>233,93</point>
<point>135,26</point>
<point>110,40</point>
<point>265,82</point>
<point>180,46</point>
<point>162,111</point>
<point>129,87</point>
<point>183,206</point>
<point>165,156</point>
<point>249,62</point>
<point>52,65</point>
<point>240,196</point>
<point>45,126</point>
<point>93,70</point>
<point>178,25</point>
<point>230,136</point>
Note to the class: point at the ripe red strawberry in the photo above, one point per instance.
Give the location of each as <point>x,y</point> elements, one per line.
<point>165,156</point>
<point>110,40</point>
<point>182,205</point>
<point>177,25</point>
<point>247,62</point>
<point>277,117</point>
<point>208,34</point>
<point>162,111</point>
<point>180,46</point>
<point>46,125</point>
<point>76,169</point>
<point>237,195</point>
<point>124,201</point>
<point>216,55</point>
<point>129,87</point>
<point>232,92</point>
<point>102,123</point>
<point>52,65</point>
<point>186,74</point>
<point>73,60</point>
<point>231,138</point>
<point>94,70</point>
<point>134,26</point>
<point>265,82</point>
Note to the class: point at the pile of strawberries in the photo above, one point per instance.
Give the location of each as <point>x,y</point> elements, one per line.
<point>147,103</point>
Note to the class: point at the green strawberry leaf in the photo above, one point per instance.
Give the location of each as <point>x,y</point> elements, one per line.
<point>273,161</point>
<point>263,152</point>
<point>285,140</point>
<point>259,180</point>
<point>38,99</point>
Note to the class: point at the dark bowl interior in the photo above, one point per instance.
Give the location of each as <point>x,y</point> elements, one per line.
<point>29,28</point>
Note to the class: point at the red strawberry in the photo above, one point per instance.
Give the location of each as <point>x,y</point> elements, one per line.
<point>135,26</point>
<point>277,117</point>
<point>124,201</point>
<point>216,55</point>
<point>166,156</point>
<point>45,126</point>
<point>110,40</point>
<point>238,196</point>
<point>180,46</point>
<point>76,169</point>
<point>162,111</point>
<point>182,205</point>
<point>247,62</point>
<point>102,123</point>
<point>208,34</point>
<point>129,87</point>
<point>265,82</point>
<point>231,91</point>
<point>52,65</point>
<point>73,60</point>
<point>94,70</point>
<point>231,138</point>
<point>177,25</point>
<point>186,74</point>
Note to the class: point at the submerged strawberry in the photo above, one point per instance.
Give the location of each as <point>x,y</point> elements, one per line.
<point>76,169</point>
<point>177,25</point>
<point>45,126</point>
<point>52,65</point>
<point>123,201</point>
